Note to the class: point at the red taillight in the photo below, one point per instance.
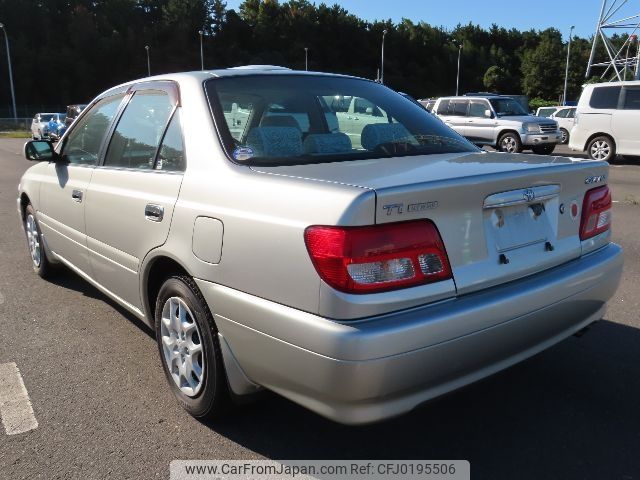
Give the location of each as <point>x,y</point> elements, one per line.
<point>596,212</point>
<point>378,257</point>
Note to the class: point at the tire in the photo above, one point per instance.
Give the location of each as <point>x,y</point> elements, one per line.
<point>190,346</point>
<point>602,148</point>
<point>39,261</point>
<point>544,149</point>
<point>510,142</point>
<point>564,136</point>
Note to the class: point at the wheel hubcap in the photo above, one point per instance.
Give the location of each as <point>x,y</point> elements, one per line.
<point>600,150</point>
<point>509,144</point>
<point>33,240</point>
<point>182,346</point>
<point>564,136</point>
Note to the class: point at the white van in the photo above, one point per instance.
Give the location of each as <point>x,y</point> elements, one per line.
<point>608,120</point>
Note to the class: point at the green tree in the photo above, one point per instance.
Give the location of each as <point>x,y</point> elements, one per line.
<point>542,66</point>
<point>497,79</point>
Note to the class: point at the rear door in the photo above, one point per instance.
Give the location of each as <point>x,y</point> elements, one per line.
<point>626,122</point>
<point>132,194</point>
<point>456,115</point>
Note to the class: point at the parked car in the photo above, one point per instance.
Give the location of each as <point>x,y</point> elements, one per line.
<point>607,119</point>
<point>428,103</point>
<point>499,122</point>
<point>40,124</point>
<point>358,276</point>
<point>73,111</point>
<point>565,118</point>
<point>56,127</point>
<point>547,111</point>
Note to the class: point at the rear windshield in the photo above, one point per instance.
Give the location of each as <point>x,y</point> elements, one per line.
<point>299,119</point>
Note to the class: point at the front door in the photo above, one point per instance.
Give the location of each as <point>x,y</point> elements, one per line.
<point>132,194</point>
<point>480,127</point>
<point>63,189</point>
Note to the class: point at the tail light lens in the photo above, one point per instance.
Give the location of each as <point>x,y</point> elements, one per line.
<point>596,212</point>
<point>379,257</point>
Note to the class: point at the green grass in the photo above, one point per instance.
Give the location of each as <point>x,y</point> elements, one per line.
<point>15,135</point>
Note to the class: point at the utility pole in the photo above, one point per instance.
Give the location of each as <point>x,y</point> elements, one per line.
<point>200,32</point>
<point>146,47</point>
<point>13,93</point>
<point>566,71</point>
<point>459,45</point>
<point>306,58</point>
<point>384,33</point>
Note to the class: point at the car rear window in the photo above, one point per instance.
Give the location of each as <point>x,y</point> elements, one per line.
<point>632,99</point>
<point>298,119</point>
<point>605,97</point>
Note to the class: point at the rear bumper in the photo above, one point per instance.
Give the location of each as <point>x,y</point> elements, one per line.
<point>531,140</point>
<point>364,371</point>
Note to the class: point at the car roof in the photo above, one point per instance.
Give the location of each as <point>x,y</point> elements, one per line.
<point>202,75</point>
<point>613,84</point>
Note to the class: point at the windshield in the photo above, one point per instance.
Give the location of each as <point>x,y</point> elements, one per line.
<point>506,107</point>
<point>298,119</point>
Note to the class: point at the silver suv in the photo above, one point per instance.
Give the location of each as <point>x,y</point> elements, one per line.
<point>499,122</point>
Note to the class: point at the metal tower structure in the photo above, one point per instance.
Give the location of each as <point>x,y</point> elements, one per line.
<point>617,16</point>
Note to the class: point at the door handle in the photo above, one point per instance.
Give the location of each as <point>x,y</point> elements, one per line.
<point>77,195</point>
<point>152,212</point>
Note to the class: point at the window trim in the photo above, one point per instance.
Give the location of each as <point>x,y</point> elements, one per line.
<point>172,90</point>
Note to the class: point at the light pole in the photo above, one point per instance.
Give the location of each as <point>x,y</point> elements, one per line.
<point>200,32</point>
<point>459,45</point>
<point>146,47</point>
<point>384,33</point>
<point>13,93</point>
<point>306,58</point>
<point>566,71</point>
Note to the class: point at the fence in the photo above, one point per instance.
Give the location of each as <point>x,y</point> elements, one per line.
<point>15,124</point>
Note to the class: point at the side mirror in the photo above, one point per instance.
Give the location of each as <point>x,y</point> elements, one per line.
<point>488,113</point>
<point>40,151</point>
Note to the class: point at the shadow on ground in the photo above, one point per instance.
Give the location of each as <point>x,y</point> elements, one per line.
<point>553,416</point>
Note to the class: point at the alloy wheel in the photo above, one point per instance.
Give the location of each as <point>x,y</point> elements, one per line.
<point>33,240</point>
<point>182,346</point>
<point>600,150</point>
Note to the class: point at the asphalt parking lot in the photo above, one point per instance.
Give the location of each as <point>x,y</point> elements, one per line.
<point>103,410</point>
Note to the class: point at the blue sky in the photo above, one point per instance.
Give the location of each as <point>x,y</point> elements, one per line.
<point>520,14</point>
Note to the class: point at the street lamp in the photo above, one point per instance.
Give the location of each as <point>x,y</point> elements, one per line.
<point>13,93</point>
<point>306,58</point>
<point>566,71</point>
<point>200,32</point>
<point>459,45</point>
<point>384,32</point>
<point>146,47</point>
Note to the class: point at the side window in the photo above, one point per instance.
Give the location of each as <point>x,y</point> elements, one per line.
<point>571,113</point>
<point>605,97</point>
<point>171,155</point>
<point>137,136</point>
<point>443,107</point>
<point>477,109</point>
<point>460,108</point>
<point>83,143</point>
<point>632,99</point>
<point>562,113</point>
